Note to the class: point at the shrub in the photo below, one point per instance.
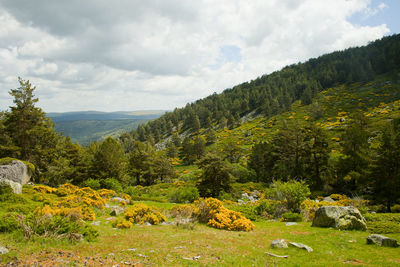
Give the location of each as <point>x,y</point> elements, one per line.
<point>7,223</point>
<point>338,197</point>
<point>247,210</point>
<point>5,189</point>
<point>121,223</point>
<point>34,226</point>
<point>268,208</point>
<point>141,213</point>
<point>183,211</point>
<point>106,193</point>
<point>291,217</point>
<point>44,189</point>
<point>211,211</point>
<point>66,189</point>
<point>89,233</point>
<point>292,193</point>
<point>184,195</point>
<point>396,208</point>
<point>92,183</point>
<point>111,183</point>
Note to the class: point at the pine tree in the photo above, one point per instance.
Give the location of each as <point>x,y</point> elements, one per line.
<point>385,170</point>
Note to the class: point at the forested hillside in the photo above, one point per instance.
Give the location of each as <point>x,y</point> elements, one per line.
<point>274,93</point>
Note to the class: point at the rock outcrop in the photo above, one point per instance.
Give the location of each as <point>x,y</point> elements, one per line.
<point>15,174</point>
<point>344,218</point>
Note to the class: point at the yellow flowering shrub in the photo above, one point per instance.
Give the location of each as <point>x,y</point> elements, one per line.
<point>106,193</point>
<point>44,189</point>
<point>337,197</point>
<point>121,223</point>
<point>141,213</point>
<point>66,189</point>
<point>213,212</point>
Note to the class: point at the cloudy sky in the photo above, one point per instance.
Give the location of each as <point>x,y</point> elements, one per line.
<point>160,54</point>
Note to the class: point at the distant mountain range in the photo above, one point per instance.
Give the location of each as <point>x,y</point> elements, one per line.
<point>88,126</point>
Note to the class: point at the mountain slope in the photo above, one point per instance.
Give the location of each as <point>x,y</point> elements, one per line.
<point>274,93</point>
<point>88,126</point>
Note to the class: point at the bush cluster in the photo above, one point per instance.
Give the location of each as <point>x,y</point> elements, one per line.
<point>141,213</point>
<point>184,195</point>
<point>212,212</point>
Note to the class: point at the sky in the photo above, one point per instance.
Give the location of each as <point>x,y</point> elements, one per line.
<point>126,55</point>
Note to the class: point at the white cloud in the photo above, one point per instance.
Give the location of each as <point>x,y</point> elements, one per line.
<point>128,55</point>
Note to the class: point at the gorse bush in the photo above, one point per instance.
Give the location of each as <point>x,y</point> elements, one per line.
<point>212,212</point>
<point>122,223</point>
<point>141,213</point>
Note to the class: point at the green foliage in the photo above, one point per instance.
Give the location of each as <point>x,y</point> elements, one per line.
<point>396,208</point>
<point>385,170</point>
<point>5,190</point>
<point>292,193</point>
<point>111,183</point>
<point>8,223</point>
<point>215,178</point>
<point>110,161</point>
<point>95,184</point>
<point>184,195</point>
<point>267,207</point>
<point>291,217</point>
<point>382,227</point>
<point>89,233</point>
<point>241,174</point>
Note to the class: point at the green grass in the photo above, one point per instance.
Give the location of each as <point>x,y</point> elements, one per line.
<point>168,246</point>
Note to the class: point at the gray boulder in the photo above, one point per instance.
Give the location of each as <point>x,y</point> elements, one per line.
<point>382,240</point>
<point>3,250</point>
<point>15,174</point>
<point>279,243</point>
<point>343,218</point>
<point>116,210</point>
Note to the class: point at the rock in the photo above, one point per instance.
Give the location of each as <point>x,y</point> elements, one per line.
<point>132,249</point>
<point>3,250</point>
<point>300,245</point>
<point>291,223</point>
<point>344,218</point>
<point>382,240</point>
<point>116,210</point>
<point>147,224</point>
<point>166,223</point>
<point>110,218</point>
<point>119,199</point>
<point>95,223</point>
<point>15,174</point>
<point>328,199</point>
<point>279,243</point>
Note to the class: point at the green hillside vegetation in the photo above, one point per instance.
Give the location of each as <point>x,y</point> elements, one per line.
<point>243,161</point>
